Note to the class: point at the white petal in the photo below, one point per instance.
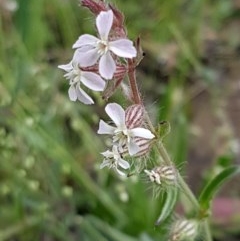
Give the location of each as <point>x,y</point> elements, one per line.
<point>66,67</point>
<point>79,52</point>
<point>116,113</point>
<point>133,148</point>
<point>115,150</point>
<point>104,164</point>
<point>85,39</point>
<point>107,154</point>
<point>92,81</point>
<point>104,128</point>
<point>107,66</point>
<point>72,93</point>
<point>83,96</point>
<point>142,132</point>
<point>123,48</point>
<point>86,58</point>
<point>104,23</point>
<point>124,164</point>
<point>120,172</point>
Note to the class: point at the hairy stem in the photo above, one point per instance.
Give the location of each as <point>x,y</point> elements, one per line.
<point>162,150</point>
<point>133,83</point>
<point>206,228</point>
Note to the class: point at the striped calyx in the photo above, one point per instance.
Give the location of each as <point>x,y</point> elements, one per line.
<point>184,230</point>
<point>134,116</point>
<point>163,175</point>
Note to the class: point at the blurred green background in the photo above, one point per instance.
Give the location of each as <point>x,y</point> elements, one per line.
<point>51,187</point>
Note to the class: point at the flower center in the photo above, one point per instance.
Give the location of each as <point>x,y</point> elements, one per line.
<point>102,47</point>
<point>76,74</point>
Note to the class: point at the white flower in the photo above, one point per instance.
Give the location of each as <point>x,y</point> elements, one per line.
<point>153,176</point>
<point>76,76</point>
<point>90,48</point>
<point>113,160</point>
<point>162,174</point>
<point>122,136</point>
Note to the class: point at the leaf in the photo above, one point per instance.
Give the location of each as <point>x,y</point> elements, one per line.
<point>215,184</point>
<point>111,232</point>
<point>168,206</point>
<point>164,129</point>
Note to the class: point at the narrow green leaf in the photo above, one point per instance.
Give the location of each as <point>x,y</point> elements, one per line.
<point>21,226</point>
<point>168,206</point>
<point>109,231</point>
<point>215,184</point>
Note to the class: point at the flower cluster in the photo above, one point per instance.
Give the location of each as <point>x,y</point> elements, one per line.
<point>128,137</point>
<point>96,58</point>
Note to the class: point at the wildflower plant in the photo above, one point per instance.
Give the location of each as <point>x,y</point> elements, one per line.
<point>104,63</point>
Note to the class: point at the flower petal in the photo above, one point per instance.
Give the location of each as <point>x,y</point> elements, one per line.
<point>120,172</point>
<point>66,67</point>
<point>85,39</point>
<point>83,96</point>
<point>92,81</point>
<point>124,164</point>
<point>104,164</point>
<point>86,58</point>
<point>142,132</point>
<point>133,148</point>
<point>104,128</point>
<point>107,154</point>
<point>72,93</point>
<point>144,145</point>
<point>104,23</point>
<point>107,66</point>
<point>123,48</point>
<point>116,113</point>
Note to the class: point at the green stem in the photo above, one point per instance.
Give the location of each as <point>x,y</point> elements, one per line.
<point>206,227</point>
<point>163,152</point>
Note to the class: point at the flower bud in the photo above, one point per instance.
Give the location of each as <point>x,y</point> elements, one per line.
<point>184,230</point>
<point>93,6</point>
<point>163,175</point>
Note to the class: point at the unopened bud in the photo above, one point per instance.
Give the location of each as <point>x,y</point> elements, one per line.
<point>162,175</point>
<point>93,6</point>
<point>184,230</point>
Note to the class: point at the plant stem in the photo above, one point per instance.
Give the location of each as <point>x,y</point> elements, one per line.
<point>162,150</point>
<point>133,83</point>
<point>206,227</point>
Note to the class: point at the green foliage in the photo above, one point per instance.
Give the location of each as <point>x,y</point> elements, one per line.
<point>168,205</point>
<point>215,184</point>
